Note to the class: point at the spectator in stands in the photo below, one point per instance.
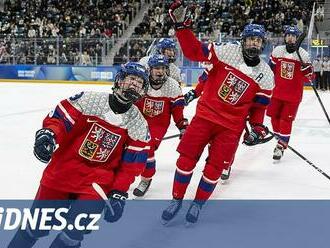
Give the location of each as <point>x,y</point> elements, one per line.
<point>317,64</point>
<point>320,13</point>
<point>85,59</point>
<point>326,73</point>
<point>63,19</point>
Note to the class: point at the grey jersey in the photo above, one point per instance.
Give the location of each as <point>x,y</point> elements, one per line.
<point>281,52</point>
<point>97,104</point>
<point>175,72</point>
<point>231,54</point>
<point>170,89</point>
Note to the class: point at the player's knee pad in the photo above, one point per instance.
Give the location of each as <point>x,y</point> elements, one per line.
<point>212,171</point>
<point>185,163</point>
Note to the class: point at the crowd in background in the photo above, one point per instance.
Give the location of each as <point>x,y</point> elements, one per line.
<point>322,71</point>
<point>32,30</point>
<point>54,32</point>
<point>213,18</point>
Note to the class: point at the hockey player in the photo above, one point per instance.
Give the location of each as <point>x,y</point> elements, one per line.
<point>197,92</point>
<point>163,100</point>
<point>167,47</point>
<point>290,75</point>
<point>101,138</point>
<point>240,84</point>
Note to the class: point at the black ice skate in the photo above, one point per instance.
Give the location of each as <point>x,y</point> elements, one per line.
<point>225,174</point>
<point>278,152</point>
<point>193,213</point>
<point>171,211</point>
<point>142,188</point>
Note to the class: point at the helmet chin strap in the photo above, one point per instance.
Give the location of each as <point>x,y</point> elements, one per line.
<point>171,59</point>
<point>158,83</point>
<point>131,95</point>
<point>156,86</point>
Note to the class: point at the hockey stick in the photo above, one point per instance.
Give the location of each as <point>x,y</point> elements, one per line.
<point>101,193</point>
<point>151,48</point>
<point>306,160</point>
<point>171,136</point>
<point>299,42</point>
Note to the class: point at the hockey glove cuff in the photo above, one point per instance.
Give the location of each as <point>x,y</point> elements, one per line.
<point>44,144</point>
<point>182,126</point>
<point>307,71</point>
<point>117,202</point>
<point>189,97</point>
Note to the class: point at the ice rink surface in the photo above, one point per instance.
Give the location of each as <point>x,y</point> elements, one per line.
<point>254,175</point>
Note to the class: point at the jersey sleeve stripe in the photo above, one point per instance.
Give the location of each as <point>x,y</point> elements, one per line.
<point>269,95</point>
<point>137,148</point>
<point>272,60</point>
<point>58,114</point>
<point>205,49</point>
<point>203,76</point>
<point>135,157</point>
<point>262,100</point>
<point>67,115</point>
<point>179,102</point>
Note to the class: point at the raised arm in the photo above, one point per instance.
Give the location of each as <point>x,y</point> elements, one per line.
<point>191,47</point>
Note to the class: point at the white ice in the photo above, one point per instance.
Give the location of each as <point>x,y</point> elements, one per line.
<point>254,176</point>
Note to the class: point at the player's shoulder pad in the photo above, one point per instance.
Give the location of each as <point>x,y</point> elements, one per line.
<point>227,50</point>
<point>175,72</point>
<point>279,51</point>
<point>136,125</point>
<point>266,82</point>
<point>90,102</point>
<point>174,67</point>
<point>171,88</point>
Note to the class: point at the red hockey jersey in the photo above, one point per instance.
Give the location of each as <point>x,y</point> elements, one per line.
<point>233,90</point>
<point>95,145</point>
<point>289,80</point>
<point>159,105</point>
